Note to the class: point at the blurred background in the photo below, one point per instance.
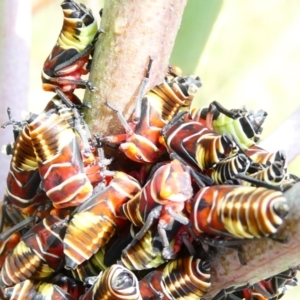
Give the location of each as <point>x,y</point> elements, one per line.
<point>245,52</point>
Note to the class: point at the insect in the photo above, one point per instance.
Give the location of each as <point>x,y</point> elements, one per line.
<point>22,195</point>
<point>266,158</point>
<point>238,212</point>
<point>146,253</point>
<point>68,59</point>
<point>9,243</point>
<point>184,278</point>
<point>141,142</point>
<point>23,179</point>
<point>60,287</point>
<point>38,255</point>
<point>262,156</point>
<point>197,145</point>
<point>96,221</point>
<point>30,178</point>
<point>117,283</point>
<point>245,126</point>
<point>163,197</point>
<point>32,290</point>
<point>106,256</point>
<point>67,107</point>
<point>92,155</point>
<point>60,165</point>
<point>273,174</point>
<point>226,169</point>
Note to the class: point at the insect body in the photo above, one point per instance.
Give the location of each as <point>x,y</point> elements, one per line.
<point>23,178</point>
<point>9,243</point>
<point>61,288</point>
<point>226,169</point>
<point>199,146</point>
<point>273,174</point>
<point>96,220</point>
<point>237,212</point>
<point>153,111</point>
<point>245,126</point>
<point>38,255</point>
<point>92,154</point>
<point>184,278</point>
<point>146,253</point>
<point>7,246</point>
<point>116,283</point>
<point>59,159</point>
<point>106,255</point>
<point>264,157</point>
<point>163,197</point>
<point>67,62</point>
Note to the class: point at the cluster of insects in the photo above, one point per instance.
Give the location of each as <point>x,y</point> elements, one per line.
<point>73,228</point>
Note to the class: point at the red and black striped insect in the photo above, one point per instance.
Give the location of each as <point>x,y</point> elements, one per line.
<point>59,157</point>
<point>60,287</point>
<point>69,58</point>
<point>146,253</point>
<point>22,194</point>
<point>31,290</point>
<point>67,107</point>
<point>106,256</point>
<point>273,174</point>
<point>244,125</point>
<point>92,155</point>
<point>237,212</point>
<point>38,255</point>
<point>184,278</point>
<point>264,157</point>
<point>163,197</point>
<point>197,145</point>
<point>24,178</point>
<point>226,169</point>
<point>9,243</point>
<point>141,142</point>
<point>117,283</point>
<point>97,220</point>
